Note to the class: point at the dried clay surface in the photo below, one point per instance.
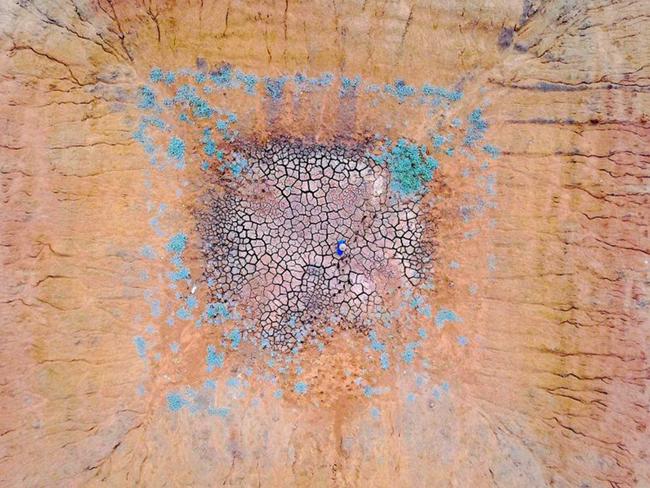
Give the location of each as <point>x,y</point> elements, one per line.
<point>324,244</point>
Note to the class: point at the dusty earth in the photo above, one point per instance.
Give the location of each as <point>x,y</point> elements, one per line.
<point>519,360</point>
